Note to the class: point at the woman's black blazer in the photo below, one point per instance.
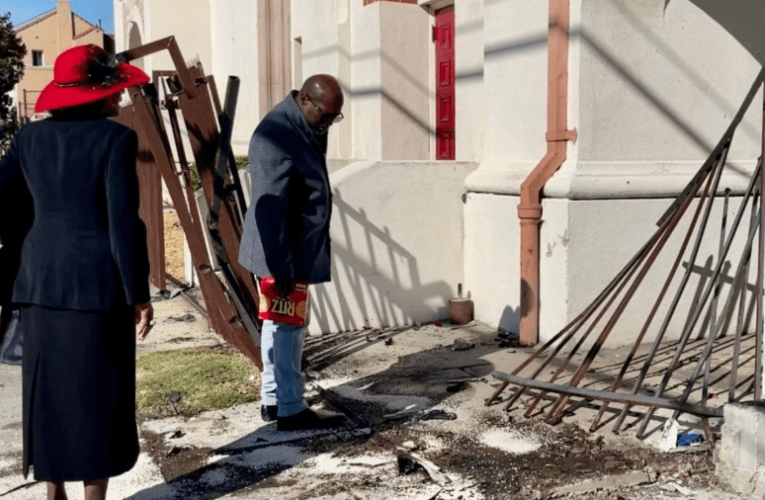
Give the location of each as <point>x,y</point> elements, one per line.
<point>86,249</point>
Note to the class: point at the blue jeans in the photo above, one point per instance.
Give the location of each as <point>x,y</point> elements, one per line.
<point>283,379</point>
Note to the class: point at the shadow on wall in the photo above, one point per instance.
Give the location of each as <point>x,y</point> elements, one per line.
<point>743,19</point>
<point>396,101</point>
<point>376,281</point>
<point>510,319</point>
<point>397,242</point>
<point>725,102</point>
<point>382,298</point>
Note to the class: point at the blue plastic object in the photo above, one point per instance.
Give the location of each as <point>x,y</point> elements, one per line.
<point>689,439</point>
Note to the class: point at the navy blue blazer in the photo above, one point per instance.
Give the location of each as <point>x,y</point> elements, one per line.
<point>286,228</point>
<point>86,249</point>
<point>16,216</point>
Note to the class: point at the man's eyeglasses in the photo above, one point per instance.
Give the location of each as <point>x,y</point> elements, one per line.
<point>327,117</point>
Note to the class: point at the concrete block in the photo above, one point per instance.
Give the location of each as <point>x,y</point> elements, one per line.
<point>759,444</point>
<point>608,483</point>
<point>188,264</point>
<point>741,454</point>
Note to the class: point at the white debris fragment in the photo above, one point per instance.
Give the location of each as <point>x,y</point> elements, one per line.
<point>408,409</point>
<point>327,464</point>
<point>510,442</point>
<point>214,477</point>
<point>276,455</point>
<point>329,383</point>
<point>669,435</point>
<point>393,402</point>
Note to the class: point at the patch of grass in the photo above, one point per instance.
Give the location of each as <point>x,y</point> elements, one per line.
<point>178,340</point>
<point>242,161</point>
<point>207,379</point>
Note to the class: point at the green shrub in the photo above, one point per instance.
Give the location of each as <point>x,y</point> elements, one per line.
<point>241,161</point>
<point>196,182</point>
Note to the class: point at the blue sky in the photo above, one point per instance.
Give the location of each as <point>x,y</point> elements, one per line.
<point>92,10</point>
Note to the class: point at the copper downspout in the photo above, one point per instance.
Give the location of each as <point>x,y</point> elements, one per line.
<point>530,207</point>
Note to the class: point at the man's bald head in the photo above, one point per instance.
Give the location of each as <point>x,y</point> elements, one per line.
<point>321,101</point>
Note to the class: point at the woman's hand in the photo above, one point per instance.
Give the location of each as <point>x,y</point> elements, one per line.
<point>144,319</point>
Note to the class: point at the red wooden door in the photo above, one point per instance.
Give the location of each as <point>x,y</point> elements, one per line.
<point>444,38</point>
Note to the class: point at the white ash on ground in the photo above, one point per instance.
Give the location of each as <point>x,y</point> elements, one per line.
<point>510,441</point>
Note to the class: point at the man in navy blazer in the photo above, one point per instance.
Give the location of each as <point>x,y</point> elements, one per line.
<point>286,234</point>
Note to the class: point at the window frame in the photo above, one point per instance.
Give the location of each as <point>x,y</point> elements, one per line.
<point>34,58</point>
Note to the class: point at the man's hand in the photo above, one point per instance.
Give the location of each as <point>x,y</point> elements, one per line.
<point>284,286</point>
<point>144,319</point>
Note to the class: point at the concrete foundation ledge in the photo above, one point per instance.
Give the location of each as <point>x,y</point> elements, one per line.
<point>741,453</point>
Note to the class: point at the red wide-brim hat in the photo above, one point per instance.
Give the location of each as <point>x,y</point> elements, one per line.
<point>85,74</point>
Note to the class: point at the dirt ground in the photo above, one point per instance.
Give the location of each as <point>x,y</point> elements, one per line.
<point>173,245</point>
<point>418,429</point>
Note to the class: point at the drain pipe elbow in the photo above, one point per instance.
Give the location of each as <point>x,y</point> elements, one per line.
<point>530,207</point>
<point>530,215</point>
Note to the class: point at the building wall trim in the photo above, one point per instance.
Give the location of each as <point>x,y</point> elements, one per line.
<point>370,2</point>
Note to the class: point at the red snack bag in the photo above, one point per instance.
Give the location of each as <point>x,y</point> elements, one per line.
<point>290,310</point>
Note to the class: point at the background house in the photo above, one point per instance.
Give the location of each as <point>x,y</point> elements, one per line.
<point>45,37</point>
<point>447,115</point>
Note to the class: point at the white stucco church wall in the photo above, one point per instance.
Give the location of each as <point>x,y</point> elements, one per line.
<point>652,85</point>
<point>324,32</point>
<point>658,84</point>
<point>234,53</point>
<point>227,29</point>
<point>510,109</point>
<point>397,233</point>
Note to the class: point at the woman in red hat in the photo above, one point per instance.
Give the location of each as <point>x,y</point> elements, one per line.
<point>82,282</point>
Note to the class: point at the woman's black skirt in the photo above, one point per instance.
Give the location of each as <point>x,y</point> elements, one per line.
<point>79,393</point>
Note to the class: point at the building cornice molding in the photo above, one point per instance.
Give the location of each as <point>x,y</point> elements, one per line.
<point>87,32</point>
<point>370,2</point>
<point>503,178</point>
<point>92,28</point>
<point>46,15</point>
<point>35,20</point>
<point>606,180</point>
<point>434,5</point>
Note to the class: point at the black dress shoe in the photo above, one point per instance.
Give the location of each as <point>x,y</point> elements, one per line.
<point>309,419</point>
<point>268,412</point>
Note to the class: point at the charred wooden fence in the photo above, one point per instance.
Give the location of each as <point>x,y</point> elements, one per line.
<point>187,100</point>
<point>712,316</point>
